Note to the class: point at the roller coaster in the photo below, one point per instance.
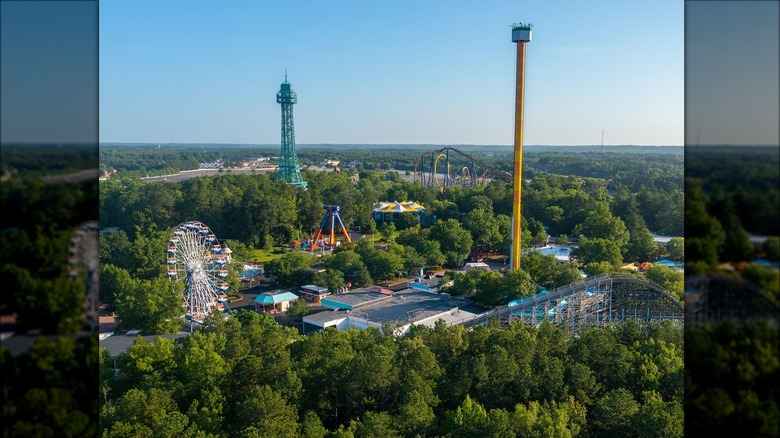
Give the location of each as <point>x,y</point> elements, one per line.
<point>713,298</point>
<point>448,167</point>
<point>596,301</point>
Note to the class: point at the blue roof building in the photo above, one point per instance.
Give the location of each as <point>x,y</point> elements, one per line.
<point>274,302</point>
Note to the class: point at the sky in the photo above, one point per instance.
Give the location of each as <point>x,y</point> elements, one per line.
<point>49,71</point>
<point>391,72</point>
<point>732,66</point>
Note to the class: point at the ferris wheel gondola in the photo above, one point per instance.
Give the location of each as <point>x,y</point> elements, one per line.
<point>196,258</point>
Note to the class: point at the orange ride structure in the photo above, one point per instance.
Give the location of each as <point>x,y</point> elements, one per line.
<point>332,213</point>
<point>521,34</point>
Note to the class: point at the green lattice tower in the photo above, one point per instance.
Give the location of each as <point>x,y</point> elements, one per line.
<point>289,170</point>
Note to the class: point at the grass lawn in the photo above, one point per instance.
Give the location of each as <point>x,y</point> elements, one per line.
<point>262,255</point>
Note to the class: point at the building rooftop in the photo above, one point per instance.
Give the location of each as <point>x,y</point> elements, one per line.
<point>353,299</point>
<point>275,297</point>
<point>118,344</point>
<point>407,306</point>
<point>325,316</point>
<point>316,289</point>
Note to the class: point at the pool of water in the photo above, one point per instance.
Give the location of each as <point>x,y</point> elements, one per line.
<point>251,271</point>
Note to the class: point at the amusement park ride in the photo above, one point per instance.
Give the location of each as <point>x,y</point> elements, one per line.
<point>332,213</point>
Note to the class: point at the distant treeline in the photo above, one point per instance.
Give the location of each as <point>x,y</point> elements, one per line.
<point>743,181</point>
<point>632,166</point>
<point>45,159</point>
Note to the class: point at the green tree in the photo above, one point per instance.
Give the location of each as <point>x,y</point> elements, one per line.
<point>311,426</point>
<point>385,264</point>
<point>112,279</point>
<point>771,247</point>
<point>483,227</point>
<point>154,306</point>
<point>614,415</point>
<point>595,268</point>
<point>291,268</point>
<point>265,413</point>
<point>670,280</point>
<point>145,413</point>
<point>298,309</point>
<point>375,424</point>
<point>406,220</point>
<point>598,250</point>
<point>676,248</point>
<point>388,231</point>
<point>331,279</point>
<point>601,224</point>
<point>642,246</point>
<point>455,241</point>
<point>470,419</point>
<point>659,418</point>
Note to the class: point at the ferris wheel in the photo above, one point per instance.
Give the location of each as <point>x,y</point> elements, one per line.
<point>83,264</point>
<point>196,258</point>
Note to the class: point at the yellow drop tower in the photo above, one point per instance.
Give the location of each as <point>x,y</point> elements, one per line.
<point>521,34</point>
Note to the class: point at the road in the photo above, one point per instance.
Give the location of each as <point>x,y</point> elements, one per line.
<point>189,174</point>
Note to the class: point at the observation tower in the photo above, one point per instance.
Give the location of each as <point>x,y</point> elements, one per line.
<point>521,34</point>
<point>289,170</point>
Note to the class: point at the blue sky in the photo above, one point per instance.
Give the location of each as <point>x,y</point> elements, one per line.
<point>732,91</point>
<point>400,72</point>
<point>48,71</point>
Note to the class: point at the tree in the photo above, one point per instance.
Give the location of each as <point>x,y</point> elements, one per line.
<point>388,231</point>
<point>455,241</point>
<point>659,418</point>
<point>298,309</point>
<point>291,268</point>
<point>670,280</point>
<point>483,227</point>
<point>614,414</point>
<point>598,250</point>
<point>353,268</point>
<point>331,279</point>
<point>547,271</point>
<point>642,246</point>
<point>676,248</point>
<point>470,419</point>
<point>112,279</point>
<point>412,259</point>
<point>601,224</point>
<point>595,268</point>
<point>265,413</point>
<point>406,220</point>
<point>375,424</point>
<point>431,250</point>
<point>154,306</point>
<point>311,426</point>
<point>384,264</point>
<point>144,413</point>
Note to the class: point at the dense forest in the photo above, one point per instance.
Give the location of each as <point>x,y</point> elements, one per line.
<point>256,211</point>
<point>49,389</point>
<point>731,368</point>
<point>38,160</point>
<point>658,170</point>
<point>251,377</point>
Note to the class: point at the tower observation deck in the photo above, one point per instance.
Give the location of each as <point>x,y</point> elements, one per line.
<point>289,170</point>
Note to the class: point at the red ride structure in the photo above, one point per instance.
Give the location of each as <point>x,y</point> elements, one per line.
<point>332,213</point>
